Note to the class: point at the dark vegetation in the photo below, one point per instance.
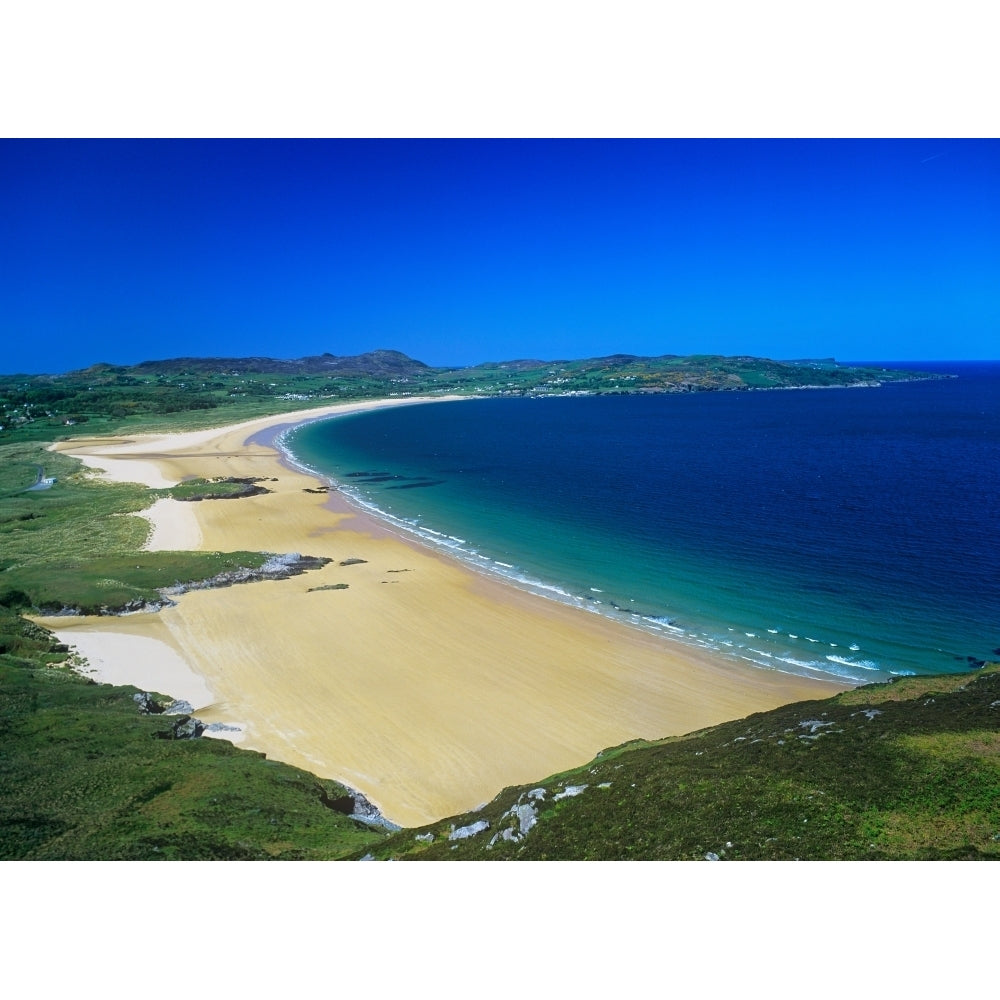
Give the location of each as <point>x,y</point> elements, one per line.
<point>909,770</point>
<point>226,488</point>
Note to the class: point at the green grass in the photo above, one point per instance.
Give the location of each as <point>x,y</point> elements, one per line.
<point>83,777</point>
<point>163,397</point>
<point>79,517</point>
<point>78,544</point>
<point>108,583</point>
<point>225,488</point>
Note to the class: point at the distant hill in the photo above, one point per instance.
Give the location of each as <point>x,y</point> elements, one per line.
<point>377,363</point>
<point>611,373</point>
<point>104,395</point>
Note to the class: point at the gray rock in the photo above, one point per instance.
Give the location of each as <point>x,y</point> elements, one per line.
<point>364,811</point>
<point>570,791</point>
<point>527,817</point>
<point>813,724</point>
<point>148,705</point>
<point>188,728</point>
<point>469,831</point>
<point>221,727</point>
<point>185,727</point>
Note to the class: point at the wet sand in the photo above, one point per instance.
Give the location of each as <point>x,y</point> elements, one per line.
<point>425,685</point>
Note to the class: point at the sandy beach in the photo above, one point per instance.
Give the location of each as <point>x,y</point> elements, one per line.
<point>423,684</point>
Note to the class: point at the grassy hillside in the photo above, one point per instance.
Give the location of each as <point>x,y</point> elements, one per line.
<point>85,776</point>
<point>903,771</point>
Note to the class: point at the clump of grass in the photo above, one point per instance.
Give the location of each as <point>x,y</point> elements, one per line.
<point>224,488</point>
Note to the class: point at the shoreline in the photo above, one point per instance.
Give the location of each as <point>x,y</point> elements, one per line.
<point>425,684</point>
<point>347,498</point>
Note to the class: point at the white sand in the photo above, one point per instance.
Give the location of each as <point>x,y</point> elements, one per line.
<point>174,526</point>
<point>116,657</point>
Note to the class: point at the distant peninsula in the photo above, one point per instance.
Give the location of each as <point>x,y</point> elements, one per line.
<point>108,396</point>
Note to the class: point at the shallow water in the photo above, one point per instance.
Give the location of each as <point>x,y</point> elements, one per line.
<point>842,532</point>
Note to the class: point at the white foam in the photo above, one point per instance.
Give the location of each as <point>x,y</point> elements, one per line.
<point>804,664</point>
<point>863,664</point>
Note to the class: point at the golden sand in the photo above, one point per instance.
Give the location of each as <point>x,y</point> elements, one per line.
<point>425,685</point>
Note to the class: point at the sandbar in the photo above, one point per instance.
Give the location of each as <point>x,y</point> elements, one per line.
<point>423,684</point>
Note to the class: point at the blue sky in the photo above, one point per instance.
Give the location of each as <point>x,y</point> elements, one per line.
<point>457,252</point>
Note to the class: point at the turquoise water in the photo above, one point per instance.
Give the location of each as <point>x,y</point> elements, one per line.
<point>849,533</point>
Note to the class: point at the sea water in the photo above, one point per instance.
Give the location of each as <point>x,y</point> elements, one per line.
<point>850,533</point>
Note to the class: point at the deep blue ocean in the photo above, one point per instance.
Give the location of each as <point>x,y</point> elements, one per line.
<point>844,532</point>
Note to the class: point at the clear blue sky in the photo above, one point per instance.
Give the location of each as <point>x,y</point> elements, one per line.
<point>457,252</point>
